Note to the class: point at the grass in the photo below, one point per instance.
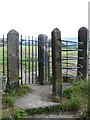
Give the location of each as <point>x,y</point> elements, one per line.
<point>19,113</point>
<point>25,65</point>
<point>23,89</point>
<point>10,97</point>
<point>70,54</point>
<point>75,100</point>
<point>75,97</point>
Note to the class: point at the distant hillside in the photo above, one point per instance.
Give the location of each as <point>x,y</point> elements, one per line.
<point>73,42</point>
<point>73,39</point>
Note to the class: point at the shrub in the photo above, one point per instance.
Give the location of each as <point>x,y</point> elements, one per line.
<point>74,104</point>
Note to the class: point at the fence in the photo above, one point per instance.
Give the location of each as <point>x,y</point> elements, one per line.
<point>32,63</point>
<point>43,60</point>
<point>74,68</point>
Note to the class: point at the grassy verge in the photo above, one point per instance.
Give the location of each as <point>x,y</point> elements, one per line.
<point>20,113</point>
<point>75,100</point>
<point>9,98</point>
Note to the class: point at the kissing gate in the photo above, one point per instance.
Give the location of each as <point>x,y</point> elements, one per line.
<point>34,60</point>
<point>30,60</point>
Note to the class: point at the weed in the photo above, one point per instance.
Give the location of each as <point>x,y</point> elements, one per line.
<point>47,110</point>
<point>68,92</point>
<point>10,96</point>
<point>9,100</point>
<point>56,99</point>
<point>74,103</point>
<point>23,89</point>
<point>19,113</point>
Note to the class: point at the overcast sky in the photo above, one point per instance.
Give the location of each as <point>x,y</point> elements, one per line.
<point>33,17</point>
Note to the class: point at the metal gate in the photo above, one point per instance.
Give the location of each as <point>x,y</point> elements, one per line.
<point>35,59</point>
<point>3,62</point>
<point>70,67</point>
<point>30,61</point>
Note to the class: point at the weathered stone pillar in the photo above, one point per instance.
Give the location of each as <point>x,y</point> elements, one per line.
<point>43,58</point>
<point>56,63</point>
<point>13,59</point>
<point>89,59</point>
<point>83,36</point>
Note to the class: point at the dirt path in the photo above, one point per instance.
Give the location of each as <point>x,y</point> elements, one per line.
<point>40,96</point>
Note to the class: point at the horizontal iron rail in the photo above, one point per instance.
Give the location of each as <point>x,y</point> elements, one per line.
<point>70,84</point>
<point>70,68</point>
<point>72,58</point>
<point>69,45</point>
<point>34,41</point>
<point>35,60</point>
<point>73,50</point>
<point>72,41</point>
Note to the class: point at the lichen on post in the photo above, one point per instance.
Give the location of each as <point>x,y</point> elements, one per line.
<point>83,37</point>
<point>57,81</point>
<point>12,59</point>
<point>43,58</point>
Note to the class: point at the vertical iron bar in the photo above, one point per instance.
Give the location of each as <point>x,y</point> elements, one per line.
<point>29,59</point>
<point>3,57</point>
<point>49,61</point>
<point>21,61</point>
<point>25,59</point>
<point>32,59</point>
<point>67,58</point>
<point>51,58</point>
<point>35,60</point>
<point>6,60</point>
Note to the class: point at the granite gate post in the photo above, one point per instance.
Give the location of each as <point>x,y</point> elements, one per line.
<point>43,59</point>
<point>57,81</point>
<point>13,59</point>
<point>83,36</point>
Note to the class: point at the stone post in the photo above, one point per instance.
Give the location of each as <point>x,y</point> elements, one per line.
<point>43,58</point>
<point>12,59</point>
<point>83,36</point>
<point>57,81</point>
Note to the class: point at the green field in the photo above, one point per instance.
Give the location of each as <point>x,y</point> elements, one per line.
<point>29,58</point>
<point>34,57</point>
